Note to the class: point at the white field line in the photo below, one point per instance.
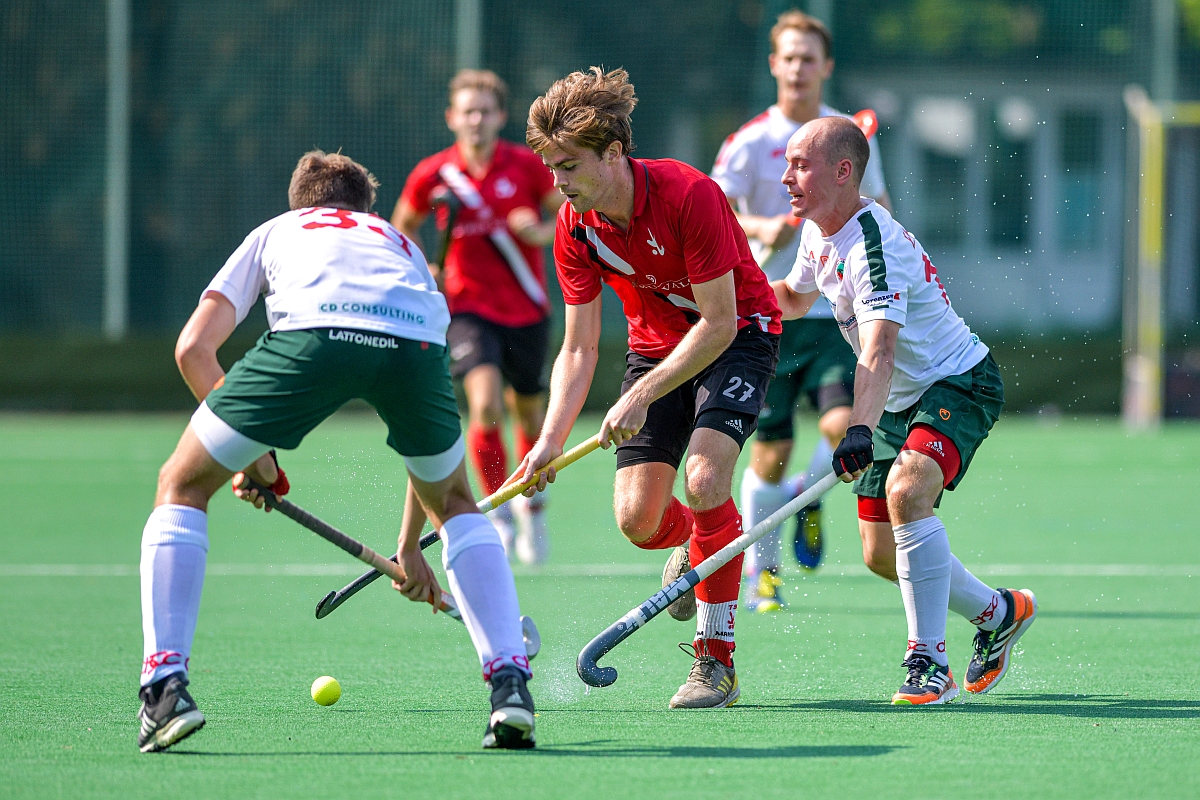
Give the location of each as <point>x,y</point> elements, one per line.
<point>599,570</point>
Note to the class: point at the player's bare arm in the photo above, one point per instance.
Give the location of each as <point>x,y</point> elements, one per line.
<point>793,304</point>
<point>206,330</point>
<point>569,383</point>
<point>773,232</point>
<point>408,220</point>
<point>872,383</point>
<point>420,583</point>
<point>528,226</point>
<point>708,338</point>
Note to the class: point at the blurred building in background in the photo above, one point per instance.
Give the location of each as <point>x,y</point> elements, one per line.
<point>1003,133</point>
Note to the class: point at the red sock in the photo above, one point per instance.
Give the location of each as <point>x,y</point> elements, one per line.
<point>524,443</point>
<point>487,451</point>
<point>674,530</point>
<point>717,595</point>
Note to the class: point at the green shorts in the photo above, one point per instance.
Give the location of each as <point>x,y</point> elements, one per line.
<point>962,407</point>
<point>815,361</point>
<point>290,381</point>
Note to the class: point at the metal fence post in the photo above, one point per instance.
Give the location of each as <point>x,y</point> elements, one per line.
<point>116,188</point>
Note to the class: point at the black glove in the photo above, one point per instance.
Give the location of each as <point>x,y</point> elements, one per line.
<point>856,452</point>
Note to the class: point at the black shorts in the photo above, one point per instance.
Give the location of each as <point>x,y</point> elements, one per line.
<point>726,396</point>
<point>519,353</point>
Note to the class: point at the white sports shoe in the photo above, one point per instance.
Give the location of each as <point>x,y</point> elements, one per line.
<point>502,519</point>
<point>533,541</point>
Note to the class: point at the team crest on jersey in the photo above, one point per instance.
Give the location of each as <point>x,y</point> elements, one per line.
<point>944,414</point>
<point>840,268</point>
<point>504,188</point>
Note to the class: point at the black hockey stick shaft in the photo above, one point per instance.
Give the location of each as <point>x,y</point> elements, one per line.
<point>443,196</point>
<point>335,598</point>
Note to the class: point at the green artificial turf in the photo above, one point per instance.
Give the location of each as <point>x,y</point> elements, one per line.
<point>1102,701</point>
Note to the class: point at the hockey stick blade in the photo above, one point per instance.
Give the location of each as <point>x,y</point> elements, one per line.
<point>590,671</point>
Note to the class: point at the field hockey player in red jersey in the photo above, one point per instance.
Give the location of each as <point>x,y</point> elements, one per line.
<point>489,196</point>
<point>703,343</point>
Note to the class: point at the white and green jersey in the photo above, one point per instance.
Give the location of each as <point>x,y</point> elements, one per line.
<point>874,269</point>
<point>749,168</point>
<point>332,268</point>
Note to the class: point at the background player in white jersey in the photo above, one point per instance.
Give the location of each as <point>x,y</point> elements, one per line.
<point>353,312</point>
<point>813,359</point>
<point>927,392</point>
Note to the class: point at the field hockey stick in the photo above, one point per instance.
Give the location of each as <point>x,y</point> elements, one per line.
<point>334,536</point>
<point>331,601</point>
<point>594,675</point>
<point>442,196</point>
<point>529,631</point>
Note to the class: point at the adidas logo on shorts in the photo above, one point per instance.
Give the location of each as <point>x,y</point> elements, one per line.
<point>937,448</point>
<point>736,424</point>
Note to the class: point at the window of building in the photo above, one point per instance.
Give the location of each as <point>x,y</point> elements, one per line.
<point>1079,179</point>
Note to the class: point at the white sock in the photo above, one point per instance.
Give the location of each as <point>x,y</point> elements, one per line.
<point>759,501</point>
<point>970,597</point>
<point>482,584</point>
<point>174,551</point>
<point>715,620</point>
<point>821,463</point>
<point>923,566</point>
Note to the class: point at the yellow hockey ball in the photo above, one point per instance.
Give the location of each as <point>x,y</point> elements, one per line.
<point>326,690</point>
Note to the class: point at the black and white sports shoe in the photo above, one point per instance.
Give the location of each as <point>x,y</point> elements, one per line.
<point>993,649</point>
<point>928,683</point>
<point>511,723</point>
<point>169,714</point>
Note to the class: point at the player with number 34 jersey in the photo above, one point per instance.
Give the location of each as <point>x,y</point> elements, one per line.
<point>354,313</point>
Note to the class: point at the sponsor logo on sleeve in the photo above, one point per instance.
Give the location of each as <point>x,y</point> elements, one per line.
<point>880,300</point>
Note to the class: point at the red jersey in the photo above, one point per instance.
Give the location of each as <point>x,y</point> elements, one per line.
<point>682,232</point>
<point>477,278</point>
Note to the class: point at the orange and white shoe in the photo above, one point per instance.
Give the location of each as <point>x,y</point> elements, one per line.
<point>928,684</point>
<point>993,649</point>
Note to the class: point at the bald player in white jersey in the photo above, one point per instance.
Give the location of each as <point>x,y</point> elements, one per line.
<point>354,313</point>
<point>813,360</point>
<point>926,394</point>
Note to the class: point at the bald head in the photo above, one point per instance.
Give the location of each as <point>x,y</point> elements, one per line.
<point>835,139</point>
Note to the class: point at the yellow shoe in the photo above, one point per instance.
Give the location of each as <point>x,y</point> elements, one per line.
<point>765,597</point>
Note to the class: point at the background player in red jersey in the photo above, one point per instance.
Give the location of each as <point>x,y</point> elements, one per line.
<point>489,194</point>
<point>703,343</point>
